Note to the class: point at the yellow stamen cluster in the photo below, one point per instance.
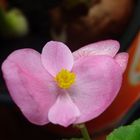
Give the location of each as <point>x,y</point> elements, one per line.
<point>65,78</point>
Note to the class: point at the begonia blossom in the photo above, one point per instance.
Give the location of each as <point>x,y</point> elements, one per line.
<point>62,87</point>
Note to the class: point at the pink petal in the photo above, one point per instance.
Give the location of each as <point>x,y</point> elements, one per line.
<point>107,47</point>
<point>98,82</point>
<point>122,59</point>
<point>56,56</point>
<point>64,112</point>
<point>29,84</point>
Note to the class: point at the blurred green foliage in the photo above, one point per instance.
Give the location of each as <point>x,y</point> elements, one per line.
<point>130,132</point>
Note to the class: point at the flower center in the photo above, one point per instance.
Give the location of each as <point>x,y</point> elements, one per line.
<point>65,78</point>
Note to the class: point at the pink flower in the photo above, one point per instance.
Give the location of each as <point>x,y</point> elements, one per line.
<point>62,87</point>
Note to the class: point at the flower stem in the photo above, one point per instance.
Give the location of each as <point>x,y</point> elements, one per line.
<point>84,131</point>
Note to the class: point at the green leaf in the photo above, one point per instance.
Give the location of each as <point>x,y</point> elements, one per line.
<point>136,122</point>
<point>16,22</point>
<point>130,132</point>
<point>13,23</point>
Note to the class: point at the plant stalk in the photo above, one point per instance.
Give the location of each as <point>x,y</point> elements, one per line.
<point>84,131</point>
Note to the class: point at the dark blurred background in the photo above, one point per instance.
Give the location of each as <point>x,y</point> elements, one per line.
<point>76,23</point>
